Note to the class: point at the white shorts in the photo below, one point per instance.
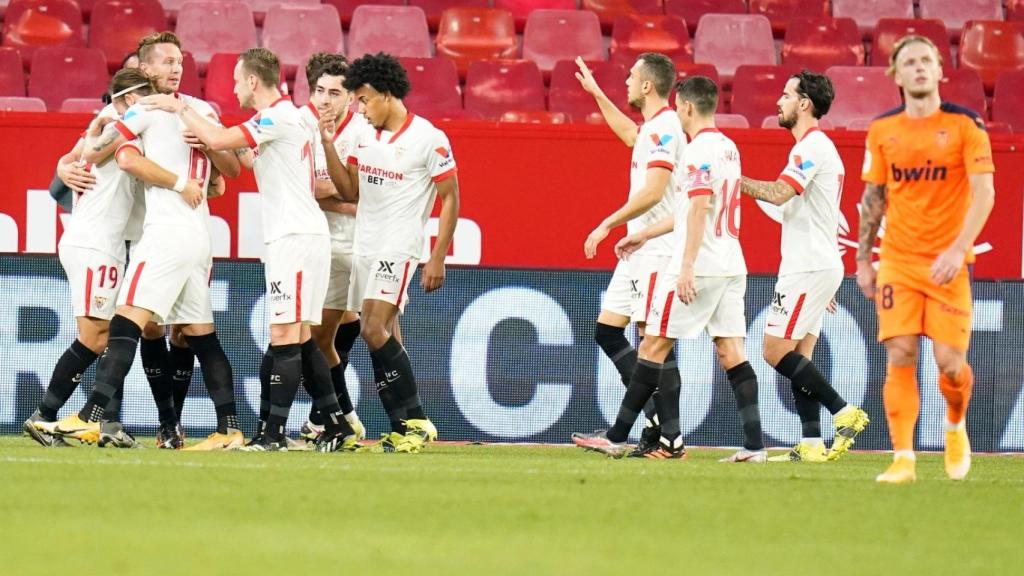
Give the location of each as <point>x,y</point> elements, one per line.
<point>718,308</point>
<point>341,277</point>
<point>170,276</point>
<point>632,286</point>
<point>297,269</point>
<point>381,278</point>
<point>94,278</point>
<point>800,301</point>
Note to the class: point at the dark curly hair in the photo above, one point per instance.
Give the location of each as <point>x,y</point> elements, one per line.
<point>818,89</point>
<point>325,63</point>
<point>381,71</point>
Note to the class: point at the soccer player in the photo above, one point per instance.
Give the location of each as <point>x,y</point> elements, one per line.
<point>339,328</point>
<point>92,253</point>
<point>701,289</point>
<point>928,171</point>
<point>296,236</point>
<point>657,145</point>
<point>395,171</point>
<point>808,189</point>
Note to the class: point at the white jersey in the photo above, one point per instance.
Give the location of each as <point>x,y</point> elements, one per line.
<point>711,164</point>
<point>659,144</point>
<point>398,173</point>
<point>342,226</point>
<point>810,220</point>
<point>283,146</point>
<point>102,217</point>
<point>161,136</point>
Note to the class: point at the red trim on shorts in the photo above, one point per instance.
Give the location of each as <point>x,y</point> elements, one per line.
<point>792,182</point>
<point>796,314</point>
<point>130,300</point>
<point>88,289</point>
<point>666,313</point>
<point>298,296</point>
<point>650,294</point>
<point>402,287</point>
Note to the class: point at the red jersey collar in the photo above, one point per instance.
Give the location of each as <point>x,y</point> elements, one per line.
<point>809,131</point>
<point>405,126</point>
<point>711,130</point>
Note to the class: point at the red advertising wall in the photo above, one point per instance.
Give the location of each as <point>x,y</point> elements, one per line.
<point>530,194</point>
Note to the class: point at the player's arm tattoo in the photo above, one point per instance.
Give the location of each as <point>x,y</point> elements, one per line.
<point>105,139</point>
<point>773,192</point>
<point>872,209</point>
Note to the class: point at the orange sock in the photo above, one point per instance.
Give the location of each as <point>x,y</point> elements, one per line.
<point>902,405</point>
<point>958,393</point>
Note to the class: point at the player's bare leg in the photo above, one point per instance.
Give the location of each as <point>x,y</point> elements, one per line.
<point>902,406</point>
<point>956,381</point>
<point>733,359</point>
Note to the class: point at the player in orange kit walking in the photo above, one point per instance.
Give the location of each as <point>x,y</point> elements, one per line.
<point>928,170</point>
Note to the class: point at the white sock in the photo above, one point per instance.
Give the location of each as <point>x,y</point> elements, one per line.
<point>951,427</point>
<point>845,409</point>
<point>904,455</point>
<point>813,441</point>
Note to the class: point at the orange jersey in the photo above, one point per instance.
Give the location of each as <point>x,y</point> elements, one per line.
<point>924,163</point>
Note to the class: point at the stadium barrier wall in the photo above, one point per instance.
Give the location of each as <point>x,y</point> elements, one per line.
<point>530,195</point>
<point>508,356</point>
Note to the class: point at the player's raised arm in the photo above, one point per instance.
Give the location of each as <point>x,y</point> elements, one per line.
<point>617,120</point>
<point>645,199</point>
<point>344,177</point>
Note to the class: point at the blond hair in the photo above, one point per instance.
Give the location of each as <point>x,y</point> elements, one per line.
<point>903,43</point>
<point>147,43</point>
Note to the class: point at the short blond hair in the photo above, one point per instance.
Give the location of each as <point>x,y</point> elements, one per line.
<point>906,41</point>
<point>147,43</point>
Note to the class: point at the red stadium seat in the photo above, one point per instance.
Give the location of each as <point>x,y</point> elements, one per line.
<point>61,73</point>
<point>861,93</point>
<point>956,13</point>
<point>190,83</point>
<point>21,104</point>
<point>636,34</point>
<point>1008,100</point>
<point>608,11</point>
<point>31,24</point>
<point>300,87</point>
<point>756,90</point>
<point>963,86</point>
<point>467,34</point>
<point>220,82</point>
<point>12,73</point>
<point>347,7</point>
<point>860,124</point>
<point>998,128</point>
<point>817,43</point>
<point>533,117</point>
<point>566,95</point>
<point>731,121</point>
<point>867,14</point>
<point>117,26</point>
<point>207,28</point>
<point>685,70</point>
<point>992,47</point>
<point>553,35</point>
<point>295,32</point>
<point>521,9</point>
<point>1014,10</point>
<point>890,30</point>
<point>397,30</point>
<point>691,10</point>
<point>780,12</point>
<point>496,86</point>
<point>82,106</point>
<point>434,9</point>
<point>261,8</point>
<point>728,41</point>
<point>435,86</point>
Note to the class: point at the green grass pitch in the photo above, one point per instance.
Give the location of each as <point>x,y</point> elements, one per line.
<point>488,510</point>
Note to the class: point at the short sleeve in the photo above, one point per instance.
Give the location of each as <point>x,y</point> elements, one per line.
<point>440,159</point>
<point>699,168</point>
<point>262,128</point>
<point>131,144</point>
<point>803,164</point>
<point>874,171</point>
<point>663,150</point>
<point>977,149</point>
<point>134,122</point>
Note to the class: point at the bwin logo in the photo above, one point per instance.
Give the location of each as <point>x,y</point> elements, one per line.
<point>916,173</point>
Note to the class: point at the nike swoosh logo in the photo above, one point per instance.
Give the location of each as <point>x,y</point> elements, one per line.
<point>770,325</point>
<point>278,313</point>
<point>361,146</point>
<point>386,292</point>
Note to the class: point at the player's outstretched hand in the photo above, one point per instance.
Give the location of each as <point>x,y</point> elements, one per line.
<point>433,275</point>
<point>595,238</point>
<point>165,102</point>
<point>948,265</point>
<point>193,193</point>
<point>686,287</point>
<point>586,77</point>
<point>625,247</point>
<point>327,127</point>
<point>76,177</point>
<point>193,141</point>
<point>866,275</point>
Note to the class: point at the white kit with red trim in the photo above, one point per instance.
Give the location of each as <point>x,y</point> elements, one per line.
<point>810,220</point>
<point>659,144</point>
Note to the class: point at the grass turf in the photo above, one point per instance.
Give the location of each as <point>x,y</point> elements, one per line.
<point>495,510</point>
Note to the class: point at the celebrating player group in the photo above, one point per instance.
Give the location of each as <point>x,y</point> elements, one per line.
<point>345,199</point>
<point>681,269</point>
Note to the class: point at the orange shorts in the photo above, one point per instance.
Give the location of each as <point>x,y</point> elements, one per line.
<point>909,303</point>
